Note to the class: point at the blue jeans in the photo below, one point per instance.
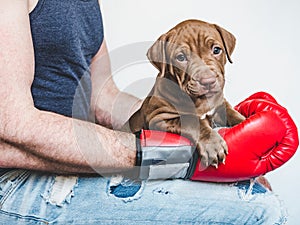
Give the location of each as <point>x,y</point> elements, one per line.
<point>36,198</point>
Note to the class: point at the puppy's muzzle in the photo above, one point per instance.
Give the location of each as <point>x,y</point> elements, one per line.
<point>208,83</point>
<point>202,83</point>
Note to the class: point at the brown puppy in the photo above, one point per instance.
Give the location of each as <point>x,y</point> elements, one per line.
<point>187,97</point>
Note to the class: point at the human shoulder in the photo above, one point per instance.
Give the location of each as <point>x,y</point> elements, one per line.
<point>32,4</point>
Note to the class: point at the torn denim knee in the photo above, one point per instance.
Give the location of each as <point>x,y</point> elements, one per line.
<point>248,189</point>
<point>61,190</point>
<point>125,189</point>
<point>273,209</point>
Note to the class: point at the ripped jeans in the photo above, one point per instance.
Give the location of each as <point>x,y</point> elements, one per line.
<point>35,198</point>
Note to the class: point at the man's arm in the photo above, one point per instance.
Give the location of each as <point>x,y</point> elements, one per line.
<point>46,136</point>
<point>112,107</point>
<point>9,155</point>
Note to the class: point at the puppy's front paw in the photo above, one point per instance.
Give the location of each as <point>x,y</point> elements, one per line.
<point>212,150</point>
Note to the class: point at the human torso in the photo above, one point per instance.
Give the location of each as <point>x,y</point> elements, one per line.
<point>66,35</point>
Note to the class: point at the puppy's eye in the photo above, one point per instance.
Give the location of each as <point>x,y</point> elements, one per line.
<point>216,50</point>
<point>181,57</point>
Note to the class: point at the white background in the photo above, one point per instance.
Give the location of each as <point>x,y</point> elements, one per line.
<point>266,57</point>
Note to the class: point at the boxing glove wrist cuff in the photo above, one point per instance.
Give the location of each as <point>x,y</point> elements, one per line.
<point>163,155</point>
<point>138,161</point>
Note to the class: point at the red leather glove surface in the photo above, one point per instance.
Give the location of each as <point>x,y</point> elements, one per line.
<point>263,142</point>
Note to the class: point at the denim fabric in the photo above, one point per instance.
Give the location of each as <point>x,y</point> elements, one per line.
<point>33,198</point>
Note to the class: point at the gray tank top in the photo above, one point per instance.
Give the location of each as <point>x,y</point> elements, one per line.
<point>66,35</point>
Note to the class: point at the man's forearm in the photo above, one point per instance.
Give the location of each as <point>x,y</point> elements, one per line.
<point>49,140</point>
<point>16,157</point>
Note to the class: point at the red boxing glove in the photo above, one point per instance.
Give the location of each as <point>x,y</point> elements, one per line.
<point>263,142</point>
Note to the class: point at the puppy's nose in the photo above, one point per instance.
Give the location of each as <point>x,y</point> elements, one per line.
<point>208,82</point>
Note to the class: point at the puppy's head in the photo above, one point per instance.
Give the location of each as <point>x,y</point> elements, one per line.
<point>193,54</point>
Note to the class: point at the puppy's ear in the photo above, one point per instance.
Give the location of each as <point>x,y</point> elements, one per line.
<point>157,53</point>
<point>228,41</point>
